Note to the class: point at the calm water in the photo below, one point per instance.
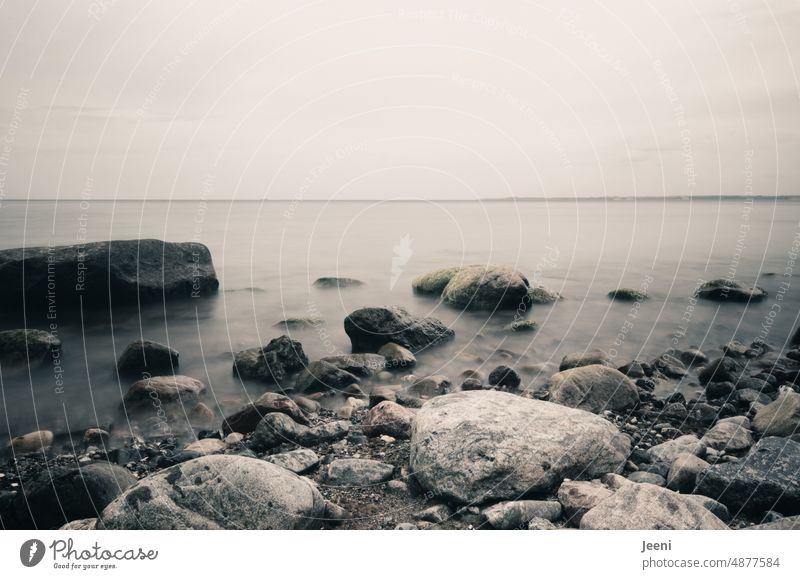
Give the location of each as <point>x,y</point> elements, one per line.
<point>268,254</point>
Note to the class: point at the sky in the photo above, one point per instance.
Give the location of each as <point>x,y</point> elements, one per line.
<point>361,99</point>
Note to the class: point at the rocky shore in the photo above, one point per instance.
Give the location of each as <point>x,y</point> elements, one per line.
<point>593,447</point>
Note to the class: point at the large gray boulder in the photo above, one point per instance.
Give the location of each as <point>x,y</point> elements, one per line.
<point>272,363</point>
<point>218,492</point>
<point>480,446</point>
<point>779,418</point>
<point>642,506</point>
<point>593,388</point>
<point>487,288</point>
<point>768,478</point>
<point>126,271</point>
<point>371,328</point>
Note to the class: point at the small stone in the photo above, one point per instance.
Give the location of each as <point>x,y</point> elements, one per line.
<point>206,446</point>
<point>354,472</point>
<point>504,377</point>
<point>298,461</point>
<point>516,514</point>
<point>436,514</point>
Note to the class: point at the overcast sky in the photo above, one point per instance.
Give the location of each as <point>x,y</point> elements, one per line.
<point>361,99</point>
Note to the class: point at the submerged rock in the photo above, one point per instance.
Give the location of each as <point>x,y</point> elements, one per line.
<point>627,295</point>
<point>487,445</point>
<point>273,363</point>
<point>144,356</point>
<point>397,356</point>
<point>165,389</point>
<point>126,271</point>
<point>299,323</point>
<point>371,328</point>
<point>487,288</point>
<point>521,326</point>
<point>643,506</point>
<point>218,492</point>
<point>33,347</point>
<point>594,388</point>
<point>721,290</point>
<point>584,358</point>
<point>541,295</point>
<point>364,365</point>
<point>336,282</point>
<point>321,376</point>
<point>435,281</point>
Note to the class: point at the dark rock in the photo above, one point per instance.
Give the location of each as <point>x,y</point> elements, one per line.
<point>129,272</point>
<point>504,377</point>
<point>723,369</point>
<point>57,496</point>
<point>336,282</point>
<point>765,479</point>
<point>371,328</point>
<point>274,362</point>
<point>144,356</point>
<point>722,290</point>
<point>32,347</point>
<point>715,390</point>
<point>627,295</point>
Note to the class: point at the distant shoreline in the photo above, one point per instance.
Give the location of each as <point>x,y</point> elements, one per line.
<point>498,200</point>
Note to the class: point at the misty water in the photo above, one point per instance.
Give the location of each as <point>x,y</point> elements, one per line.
<point>267,256</point>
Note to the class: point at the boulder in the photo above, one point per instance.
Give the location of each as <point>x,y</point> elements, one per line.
<point>434,282</point>
<point>246,419</point>
<point>627,295</point>
<point>146,357</point>
<point>397,356</point>
<point>593,388</point>
<point>487,288</point>
<point>165,389</point>
<point>486,445</point>
<point>684,471</point>
<point>63,494</point>
<point>322,376</point>
<point>38,441</point>
<point>668,451</point>
<point>584,358</point>
<point>358,472</point>
<point>765,479</point>
<point>779,418</point>
<point>336,282</point>
<point>364,365</point>
<point>648,507</point>
<point>510,515</point>
<point>388,418</point>
<point>127,271</point>
<point>298,461</point>
<point>729,435</point>
<point>578,497</point>
<point>721,290</point>
<point>371,328</point>
<point>218,492</point>
<point>31,347</point>
<point>272,363</point>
